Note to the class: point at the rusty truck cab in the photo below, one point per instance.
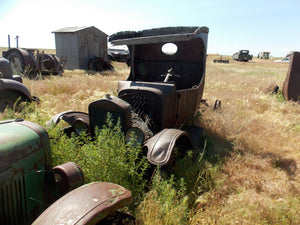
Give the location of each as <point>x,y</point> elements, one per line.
<point>167,83</point>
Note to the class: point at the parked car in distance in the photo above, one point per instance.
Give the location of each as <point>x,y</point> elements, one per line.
<point>285,60</point>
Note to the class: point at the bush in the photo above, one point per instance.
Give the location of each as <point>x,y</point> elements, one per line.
<point>104,158</point>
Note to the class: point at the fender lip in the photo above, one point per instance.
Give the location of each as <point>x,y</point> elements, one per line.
<point>87,204</point>
<point>69,117</point>
<point>161,145</point>
<point>6,84</point>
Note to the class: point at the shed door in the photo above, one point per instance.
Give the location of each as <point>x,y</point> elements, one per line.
<point>93,50</point>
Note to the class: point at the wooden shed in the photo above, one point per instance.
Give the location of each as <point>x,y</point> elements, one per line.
<point>78,45</point>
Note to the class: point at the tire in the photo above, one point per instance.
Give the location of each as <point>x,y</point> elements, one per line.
<point>5,69</point>
<point>17,62</point>
<point>118,218</point>
<point>11,99</point>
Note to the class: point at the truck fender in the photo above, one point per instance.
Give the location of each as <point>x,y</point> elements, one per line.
<point>87,204</point>
<point>9,84</point>
<point>70,117</point>
<point>161,145</point>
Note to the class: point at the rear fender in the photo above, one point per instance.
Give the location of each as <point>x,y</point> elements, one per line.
<point>161,145</point>
<point>87,204</point>
<point>10,84</point>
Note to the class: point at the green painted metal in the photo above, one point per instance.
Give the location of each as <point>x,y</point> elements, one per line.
<point>27,185</point>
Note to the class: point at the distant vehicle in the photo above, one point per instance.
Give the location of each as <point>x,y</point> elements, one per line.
<point>242,55</point>
<point>264,55</point>
<point>285,60</point>
<point>119,54</point>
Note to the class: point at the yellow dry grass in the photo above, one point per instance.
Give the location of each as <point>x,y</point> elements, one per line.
<point>260,178</point>
<point>259,181</point>
<point>75,89</point>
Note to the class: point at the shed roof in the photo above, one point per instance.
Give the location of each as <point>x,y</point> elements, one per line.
<point>75,29</point>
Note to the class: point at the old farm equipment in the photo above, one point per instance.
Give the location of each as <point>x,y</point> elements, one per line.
<point>263,55</point>
<point>29,185</point>
<point>221,60</point>
<point>32,61</point>
<point>12,90</point>
<point>162,92</point>
<point>291,85</point>
<point>242,55</point>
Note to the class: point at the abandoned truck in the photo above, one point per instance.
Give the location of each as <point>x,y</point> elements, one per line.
<point>29,184</point>
<point>12,90</point>
<point>162,92</point>
<point>242,55</point>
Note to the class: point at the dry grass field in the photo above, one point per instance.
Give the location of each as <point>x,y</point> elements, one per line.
<point>259,179</point>
<point>255,135</point>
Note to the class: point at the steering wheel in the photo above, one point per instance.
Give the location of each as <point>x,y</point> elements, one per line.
<point>169,74</point>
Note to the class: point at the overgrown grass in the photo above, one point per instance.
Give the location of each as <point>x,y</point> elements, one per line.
<point>106,157</point>
<point>247,174</point>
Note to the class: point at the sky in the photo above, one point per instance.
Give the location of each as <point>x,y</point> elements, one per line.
<point>256,25</point>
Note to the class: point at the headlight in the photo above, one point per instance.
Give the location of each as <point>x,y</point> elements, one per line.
<point>136,134</point>
<point>80,126</point>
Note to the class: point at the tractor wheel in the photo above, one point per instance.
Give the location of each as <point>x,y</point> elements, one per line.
<point>11,99</point>
<point>17,63</point>
<point>5,69</point>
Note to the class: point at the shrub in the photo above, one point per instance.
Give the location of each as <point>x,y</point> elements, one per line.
<point>106,157</point>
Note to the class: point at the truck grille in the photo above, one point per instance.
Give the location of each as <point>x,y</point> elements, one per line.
<point>146,105</point>
<point>13,201</point>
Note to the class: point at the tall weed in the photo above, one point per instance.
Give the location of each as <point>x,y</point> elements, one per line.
<point>106,157</point>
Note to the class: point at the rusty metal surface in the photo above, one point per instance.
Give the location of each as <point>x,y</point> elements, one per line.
<point>155,99</point>
<point>21,60</point>
<point>26,183</point>
<point>87,204</point>
<point>68,176</point>
<point>99,64</point>
<point>118,108</point>
<point>14,134</point>
<point>149,64</point>
<point>291,85</point>
<point>161,145</point>
<point>6,84</point>
<point>70,117</point>
<point>31,61</point>
<point>5,69</point>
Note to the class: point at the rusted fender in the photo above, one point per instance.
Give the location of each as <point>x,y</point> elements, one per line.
<point>10,84</point>
<point>161,145</point>
<point>291,85</point>
<point>87,204</point>
<point>70,117</point>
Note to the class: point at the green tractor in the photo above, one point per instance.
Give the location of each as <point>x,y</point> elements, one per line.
<point>34,192</point>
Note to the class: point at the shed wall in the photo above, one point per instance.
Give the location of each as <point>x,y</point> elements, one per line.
<point>92,43</point>
<point>67,46</point>
<point>79,47</point>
